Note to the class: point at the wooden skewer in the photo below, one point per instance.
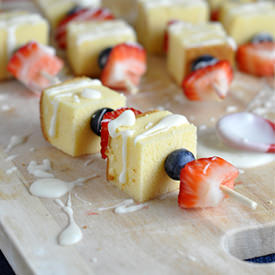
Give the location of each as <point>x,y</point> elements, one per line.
<point>52,79</point>
<point>241,198</point>
<point>131,87</point>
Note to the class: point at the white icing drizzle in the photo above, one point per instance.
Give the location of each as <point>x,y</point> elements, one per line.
<point>72,233</point>
<point>40,170</point>
<point>104,29</point>
<point>195,35</point>
<point>54,188</point>
<point>14,141</point>
<point>164,125</point>
<point>127,118</point>
<point>11,170</point>
<point>52,129</point>
<point>88,3</point>
<point>82,200</point>
<point>90,93</point>
<point>76,99</point>
<point>11,157</point>
<point>149,4</point>
<point>125,206</point>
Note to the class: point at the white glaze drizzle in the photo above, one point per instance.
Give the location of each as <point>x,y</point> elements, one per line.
<point>164,125</point>
<point>11,157</point>
<point>14,141</point>
<point>52,188</point>
<point>11,170</point>
<point>90,93</point>
<point>72,233</point>
<point>127,118</point>
<point>82,200</point>
<point>125,206</point>
<point>40,170</point>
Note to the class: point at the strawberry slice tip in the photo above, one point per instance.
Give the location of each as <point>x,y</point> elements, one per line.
<point>200,182</point>
<point>124,67</point>
<point>257,58</point>
<point>209,83</point>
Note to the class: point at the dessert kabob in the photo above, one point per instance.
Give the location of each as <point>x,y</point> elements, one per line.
<point>147,153</point>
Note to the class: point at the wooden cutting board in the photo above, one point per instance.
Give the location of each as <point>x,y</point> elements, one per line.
<point>160,239</point>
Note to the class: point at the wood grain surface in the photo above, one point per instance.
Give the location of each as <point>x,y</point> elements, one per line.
<point>160,239</point>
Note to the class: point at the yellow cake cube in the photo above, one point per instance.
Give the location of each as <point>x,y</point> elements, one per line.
<point>66,110</point>
<point>189,41</point>
<point>55,10</point>
<point>16,29</point>
<point>243,21</point>
<point>86,40</point>
<point>153,16</point>
<point>137,152</point>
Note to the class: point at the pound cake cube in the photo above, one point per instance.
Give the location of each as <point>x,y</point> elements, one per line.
<point>137,153</point>
<point>66,110</point>
<point>55,10</point>
<point>243,21</point>
<point>86,40</point>
<point>189,41</point>
<point>16,29</point>
<point>153,16</point>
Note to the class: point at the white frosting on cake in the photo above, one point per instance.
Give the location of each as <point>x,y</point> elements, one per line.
<point>11,21</point>
<point>196,35</point>
<point>90,31</point>
<point>149,4</point>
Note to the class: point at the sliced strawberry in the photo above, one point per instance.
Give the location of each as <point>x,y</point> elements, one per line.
<point>215,14</point>
<point>29,61</point>
<point>166,38</point>
<point>125,66</point>
<point>200,182</point>
<point>104,127</point>
<point>257,58</point>
<point>208,82</point>
<point>80,15</point>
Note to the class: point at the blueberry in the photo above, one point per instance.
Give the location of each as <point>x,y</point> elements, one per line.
<point>203,61</point>
<point>262,37</point>
<point>103,57</point>
<point>73,10</point>
<point>95,122</point>
<point>176,161</point>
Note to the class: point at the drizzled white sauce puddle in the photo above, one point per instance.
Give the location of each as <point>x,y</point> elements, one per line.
<point>14,141</point>
<point>72,233</point>
<point>54,189</point>
<point>126,206</point>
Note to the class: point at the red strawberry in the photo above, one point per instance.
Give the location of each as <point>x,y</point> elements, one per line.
<point>208,82</point>
<point>80,16</point>
<point>104,127</point>
<point>166,38</point>
<point>257,58</point>
<point>215,15</point>
<point>200,182</point>
<point>125,66</point>
<point>29,61</point>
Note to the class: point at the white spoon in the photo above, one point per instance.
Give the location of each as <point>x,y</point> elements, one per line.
<point>247,131</point>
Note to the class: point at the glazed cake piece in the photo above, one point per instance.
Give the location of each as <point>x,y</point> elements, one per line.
<point>66,110</point>
<point>137,152</point>
<point>16,29</point>
<point>153,16</point>
<point>55,10</point>
<point>86,40</point>
<point>243,21</point>
<point>188,41</point>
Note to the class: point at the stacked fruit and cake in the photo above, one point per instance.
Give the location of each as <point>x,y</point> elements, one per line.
<point>148,153</point>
